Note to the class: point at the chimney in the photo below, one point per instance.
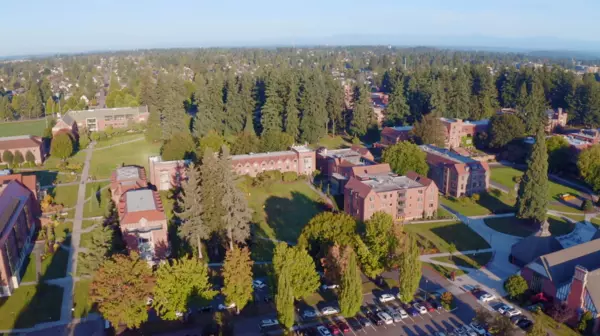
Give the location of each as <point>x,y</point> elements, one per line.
<point>575,299</point>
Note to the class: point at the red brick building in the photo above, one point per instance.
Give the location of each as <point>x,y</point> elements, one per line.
<point>126,178</point>
<point>403,197</point>
<point>556,119</point>
<point>99,119</point>
<point>166,174</point>
<point>393,135</point>
<point>18,223</point>
<point>24,144</point>
<point>299,159</point>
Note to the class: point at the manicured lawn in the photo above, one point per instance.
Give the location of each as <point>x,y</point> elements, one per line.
<point>136,153</point>
<point>516,227</point>
<point>65,195</point>
<point>472,260</point>
<point>445,271</point>
<point>47,177</point>
<point>55,266</point>
<point>89,222</point>
<point>557,329</point>
<point>30,305</point>
<point>167,200</point>
<point>80,299</point>
<point>28,271</point>
<point>62,230</point>
<point>505,175</point>
<point>564,208</point>
<point>437,237</point>
<point>330,142</point>
<point>118,139</point>
<point>487,204</point>
<point>29,127</point>
<point>94,207</point>
<point>596,221</point>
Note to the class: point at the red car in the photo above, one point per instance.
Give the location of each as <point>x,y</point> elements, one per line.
<point>343,326</point>
<point>428,306</point>
<point>333,329</point>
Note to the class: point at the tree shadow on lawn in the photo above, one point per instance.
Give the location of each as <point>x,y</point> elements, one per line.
<point>287,217</point>
<point>45,177</point>
<point>461,235</point>
<point>494,204</point>
<point>43,306</point>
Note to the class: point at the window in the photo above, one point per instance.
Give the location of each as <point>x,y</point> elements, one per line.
<point>108,118</point>
<point>420,192</point>
<point>370,199</point>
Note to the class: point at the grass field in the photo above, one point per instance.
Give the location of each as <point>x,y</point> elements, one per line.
<point>28,270</point>
<point>95,206</point>
<point>118,139</point>
<point>516,227</point>
<point>505,176</point>
<point>445,271</point>
<point>80,299</point>
<point>437,237</point>
<point>30,305</point>
<point>65,195</point>
<point>487,204</point>
<point>330,142</point>
<point>472,260</point>
<point>29,127</point>
<point>280,212</point>
<point>136,153</point>
<point>55,266</point>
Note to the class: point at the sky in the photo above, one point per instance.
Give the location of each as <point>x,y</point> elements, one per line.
<point>66,26</point>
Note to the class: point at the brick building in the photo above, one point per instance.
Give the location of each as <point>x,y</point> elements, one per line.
<point>126,178</point>
<point>393,135</point>
<point>403,197</point>
<point>24,144</point>
<point>18,223</point>
<point>99,119</point>
<point>454,174</point>
<point>165,175</point>
<point>299,159</point>
<point>144,224</point>
<point>556,119</point>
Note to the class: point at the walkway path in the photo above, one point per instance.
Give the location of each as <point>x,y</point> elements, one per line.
<point>121,143</point>
<point>69,284</point>
<point>429,258</point>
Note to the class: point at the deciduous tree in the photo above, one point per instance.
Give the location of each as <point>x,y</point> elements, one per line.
<point>504,129</point>
<point>237,277</point>
<point>429,130</point>
<point>121,288</point>
<point>515,286</point>
<point>97,251</point>
<point>409,269</point>
<point>18,159</point>
<point>351,288</point>
<point>405,156</point>
<point>296,264</point>
<point>180,146</point>
<point>62,146</point>
<point>378,236</point>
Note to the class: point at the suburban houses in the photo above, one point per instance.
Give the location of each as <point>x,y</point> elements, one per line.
<point>18,223</point>
<point>24,144</point>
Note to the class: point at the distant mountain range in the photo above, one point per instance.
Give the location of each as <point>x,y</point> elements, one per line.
<point>536,46</point>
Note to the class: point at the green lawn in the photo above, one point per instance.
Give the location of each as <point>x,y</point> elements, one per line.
<point>95,206</point>
<point>505,175</point>
<point>487,204</point>
<point>167,200</point>
<point>55,266</point>
<point>437,237</point>
<point>86,223</point>
<point>28,271</point>
<point>330,142</point>
<point>65,195</point>
<point>556,329</point>
<point>105,161</point>
<point>596,221</point>
<point>118,139</point>
<point>472,260</point>
<point>62,230</point>
<point>516,227</point>
<point>280,212</point>
<point>445,271</point>
<point>80,299</point>
<point>30,305</point>
<point>29,127</point>
<point>47,177</point>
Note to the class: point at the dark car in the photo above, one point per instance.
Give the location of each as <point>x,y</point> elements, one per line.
<point>525,324</point>
<point>364,309</point>
<point>410,310</point>
<point>365,321</point>
<point>517,318</point>
<point>355,323</point>
<point>374,308</point>
<point>343,326</point>
<point>376,319</point>
<point>435,304</point>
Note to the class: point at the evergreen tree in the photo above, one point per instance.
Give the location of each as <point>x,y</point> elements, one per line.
<point>121,288</point>
<point>237,215</point>
<point>235,115</point>
<point>272,111</point>
<point>532,200</point>
<point>211,191</point>
<point>180,146</point>
<point>292,117</point>
<point>6,111</point>
<point>362,113</point>
<point>397,110</point>
<point>429,130</point>
<point>351,288</point>
<point>335,105</point>
<point>284,300</point>
<point>97,251</point>
<point>237,277</point>
<point>245,143</point>
<point>189,199</point>
<point>439,97</point>
<point>34,101</point>
<point>313,124</point>
<point>409,269</point>
<point>173,118</point>
<point>458,103</point>
<point>533,108</point>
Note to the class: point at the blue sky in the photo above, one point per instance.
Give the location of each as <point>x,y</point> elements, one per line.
<point>41,26</point>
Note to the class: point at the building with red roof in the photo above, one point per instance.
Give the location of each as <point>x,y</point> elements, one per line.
<point>24,144</point>
<point>126,178</point>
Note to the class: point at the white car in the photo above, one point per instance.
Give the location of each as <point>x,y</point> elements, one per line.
<point>329,311</point>
<point>386,298</point>
<point>385,317</point>
<point>323,331</point>
<point>478,329</point>
<point>268,323</point>
<point>487,297</point>
<point>420,308</point>
<point>469,331</point>
<point>402,313</point>
<point>512,312</point>
<point>504,308</point>
<point>226,307</point>
<point>258,284</point>
<point>326,287</point>
<point>310,313</point>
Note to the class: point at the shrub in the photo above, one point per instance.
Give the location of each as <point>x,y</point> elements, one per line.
<point>587,205</point>
<point>290,176</point>
<point>515,286</point>
<point>447,300</point>
<point>495,192</point>
<point>267,178</point>
<point>516,179</point>
<point>475,197</point>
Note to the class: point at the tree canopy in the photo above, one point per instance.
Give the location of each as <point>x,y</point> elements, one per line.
<point>404,157</point>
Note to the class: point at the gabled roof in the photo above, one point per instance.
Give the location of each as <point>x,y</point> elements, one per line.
<point>18,142</point>
<point>357,186</point>
<point>419,178</point>
<point>371,169</point>
<point>560,265</point>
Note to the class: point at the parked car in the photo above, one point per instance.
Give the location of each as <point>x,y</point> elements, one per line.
<point>323,331</point>
<point>326,287</point>
<point>355,323</point>
<point>420,308</point>
<point>258,284</point>
<point>386,298</point>
<point>396,316</point>
<point>512,312</point>
<point>343,326</point>
<point>385,317</point>
<point>487,297</point>
<point>411,310</point>
<point>365,321</point>
<point>536,307</point>
<point>525,324</point>
<point>268,323</point>
<point>435,304</point>
<point>439,333</point>
<point>469,331</point>
<point>515,319</point>
<point>333,329</point>
<point>310,313</point>
<point>329,310</point>
<point>428,306</point>
<point>402,313</point>
<point>503,308</point>
<point>478,328</point>
<point>375,319</point>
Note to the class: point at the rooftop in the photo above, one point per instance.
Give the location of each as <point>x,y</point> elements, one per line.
<point>446,153</point>
<point>128,173</point>
<point>389,182</point>
<point>402,128</point>
<point>98,113</point>
<point>16,137</point>
<point>261,155</point>
<point>140,200</point>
